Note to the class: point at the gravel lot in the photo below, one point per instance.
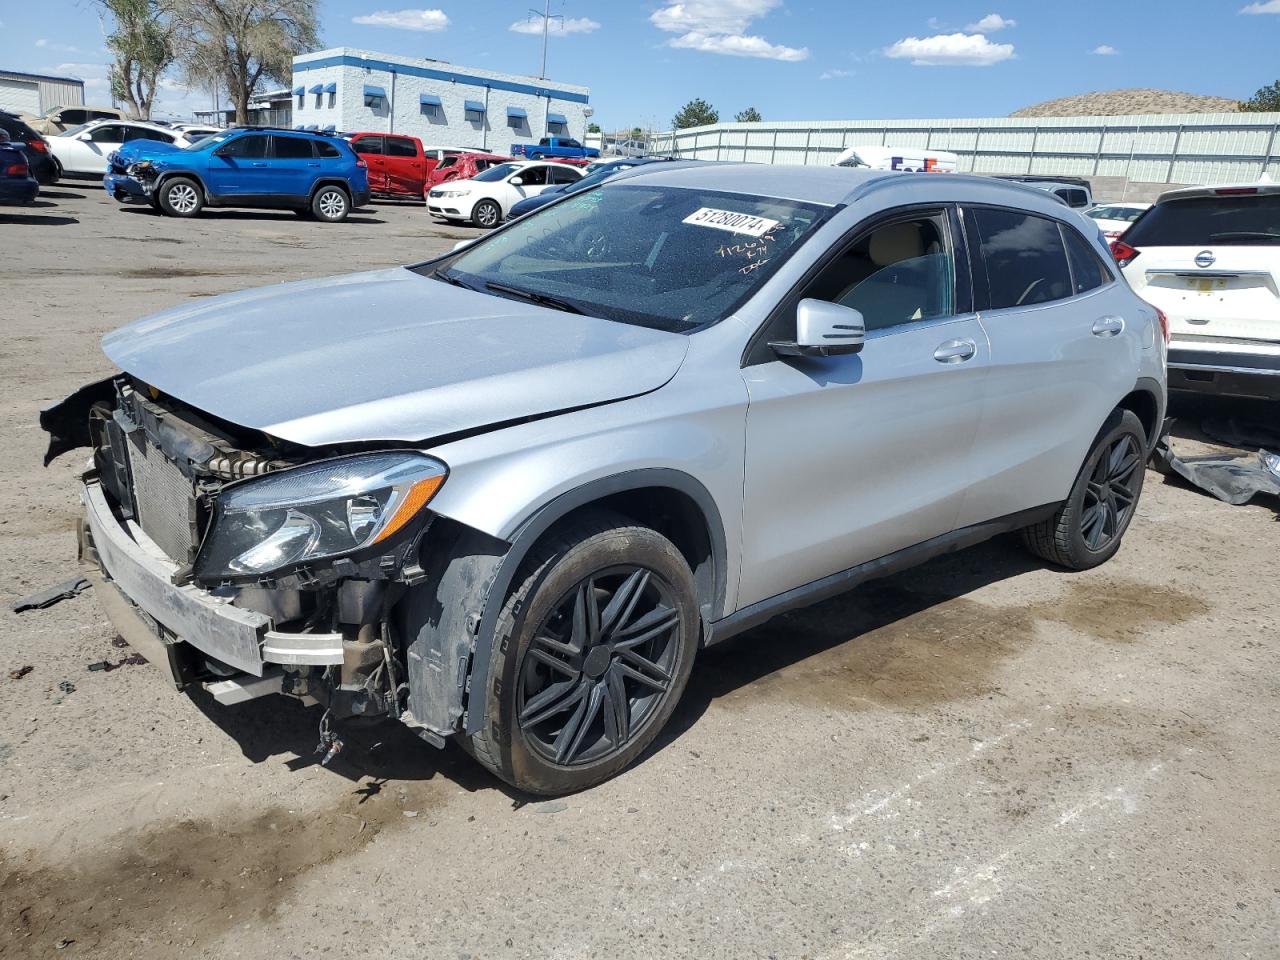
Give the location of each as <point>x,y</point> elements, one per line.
<point>982,757</point>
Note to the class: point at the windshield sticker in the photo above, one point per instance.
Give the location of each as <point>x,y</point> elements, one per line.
<point>733,222</point>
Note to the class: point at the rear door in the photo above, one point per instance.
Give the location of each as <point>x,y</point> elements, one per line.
<point>1065,348</point>
<point>1212,264</point>
<point>373,150</point>
<point>405,168</point>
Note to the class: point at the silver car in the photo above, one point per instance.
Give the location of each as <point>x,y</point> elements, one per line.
<point>506,495</point>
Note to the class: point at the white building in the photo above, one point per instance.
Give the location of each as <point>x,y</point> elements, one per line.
<point>445,105</point>
<point>37,93</point>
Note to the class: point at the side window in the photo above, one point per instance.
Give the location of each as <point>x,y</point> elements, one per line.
<point>368,145</point>
<point>483,165</point>
<point>1075,198</point>
<point>400,147</point>
<point>107,133</point>
<point>1024,258</point>
<point>533,176</point>
<point>326,151</point>
<point>544,142</point>
<point>250,147</point>
<point>142,133</point>
<point>73,116</point>
<point>896,273</point>
<point>570,142</point>
<point>1087,271</point>
<point>291,148</point>
<point>99,115</point>
<point>562,175</point>
<point>447,162</point>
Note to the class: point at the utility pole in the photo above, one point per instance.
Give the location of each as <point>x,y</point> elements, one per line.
<point>546,26</point>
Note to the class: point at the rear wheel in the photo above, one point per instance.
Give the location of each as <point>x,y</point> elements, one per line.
<point>486,214</point>
<point>330,204</point>
<point>180,197</point>
<point>591,654</point>
<point>1087,528</point>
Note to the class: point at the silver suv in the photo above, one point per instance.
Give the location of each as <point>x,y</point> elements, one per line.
<point>506,495</point>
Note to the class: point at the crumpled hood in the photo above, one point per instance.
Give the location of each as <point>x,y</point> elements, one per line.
<point>136,150</point>
<point>386,356</point>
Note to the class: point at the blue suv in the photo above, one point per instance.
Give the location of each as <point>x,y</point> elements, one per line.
<point>311,174</point>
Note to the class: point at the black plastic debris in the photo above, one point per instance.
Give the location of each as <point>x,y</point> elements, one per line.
<point>66,686</point>
<point>106,666</point>
<point>47,598</point>
<point>1233,478</point>
<point>20,672</point>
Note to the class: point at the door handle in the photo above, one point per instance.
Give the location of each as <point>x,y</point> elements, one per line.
<point>313,164</point>
<point>258,164</point>
<point>1108,326</point>
<point>955,351</point>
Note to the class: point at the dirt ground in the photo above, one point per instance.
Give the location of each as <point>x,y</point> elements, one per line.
<point>982,757</point>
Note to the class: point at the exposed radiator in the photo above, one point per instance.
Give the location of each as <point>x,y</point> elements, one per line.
<point>166,502</point>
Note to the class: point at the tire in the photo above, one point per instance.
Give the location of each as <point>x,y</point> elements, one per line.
<point>576,735</point>
<point>331,204</point>
<point>535,156</point>
<point>486,214</point>
<point>1087,528</point>
<point>180,197</point>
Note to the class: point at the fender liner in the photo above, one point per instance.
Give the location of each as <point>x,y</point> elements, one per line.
<point>534,526</point>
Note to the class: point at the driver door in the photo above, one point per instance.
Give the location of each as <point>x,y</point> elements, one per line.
<point>94,146</point>
<point>851,458</point>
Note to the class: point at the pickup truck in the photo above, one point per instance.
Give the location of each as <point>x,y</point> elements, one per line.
<point>551,148</point>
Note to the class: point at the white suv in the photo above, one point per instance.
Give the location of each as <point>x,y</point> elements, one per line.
<point>1209,258</point>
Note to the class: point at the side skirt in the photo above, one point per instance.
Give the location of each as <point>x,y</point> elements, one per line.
<point>811,593</point>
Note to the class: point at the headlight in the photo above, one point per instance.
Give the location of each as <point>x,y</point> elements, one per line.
<point>315,512</point>
<point>454,193</point>
<point>139,168</point>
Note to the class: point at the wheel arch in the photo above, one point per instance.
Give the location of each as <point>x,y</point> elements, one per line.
<point>1146,403</point>
<point>168,175</point>
<point>671,501</point>
<point>322,182</point>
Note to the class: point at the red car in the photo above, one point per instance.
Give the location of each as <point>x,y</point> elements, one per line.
<point>398,165</point>
<point>463,166</point>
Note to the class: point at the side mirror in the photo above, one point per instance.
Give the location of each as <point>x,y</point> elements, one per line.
<point>85,137</point>
<point>461,244</point>
<point>516,181</point>
<point>823,330</point>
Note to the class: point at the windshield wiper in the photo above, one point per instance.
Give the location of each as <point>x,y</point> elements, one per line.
<point>1239,234</point>
<point>542,299</point>
<point>444,275</point>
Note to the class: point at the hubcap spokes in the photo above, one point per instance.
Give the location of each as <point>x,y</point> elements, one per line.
<point>1110,494</point>
<point>183,199</point>
<point>599,665</point>
<point>331,204</point>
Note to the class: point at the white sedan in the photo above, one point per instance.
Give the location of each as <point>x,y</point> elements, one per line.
<point>487,197</point>
<point>1113,219</point>
<point>84,150</point>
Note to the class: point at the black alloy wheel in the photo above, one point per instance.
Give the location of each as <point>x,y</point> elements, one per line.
<point>1110,494</point>
<point>598,665</point>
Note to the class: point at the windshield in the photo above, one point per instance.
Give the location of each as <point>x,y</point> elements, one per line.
<point>72,131</point>
<point>1249,220</point>
<point>657,256</point>
<point>496,173</point>
<point>210,140</point>
<point>1127,214</point>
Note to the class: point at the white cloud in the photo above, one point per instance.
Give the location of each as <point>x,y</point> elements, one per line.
<point>720,26</point>
<point>950,50</point>
<point>556,27</point>
<point>835,74</point>
<point>427,21</point>
<point>94,75</point>
<point>44,44</point>
<point>1105,50</point>
<point>990,24</point>
<point>1267,6</point>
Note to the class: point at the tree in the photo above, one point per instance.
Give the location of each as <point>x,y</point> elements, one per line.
<point>695,113</point>
<point>593,128</point>
<point>637,133</point>
<point>236,43</point>
<point>1266,100</point>
<point>749,115</point>
<point>142,43</point>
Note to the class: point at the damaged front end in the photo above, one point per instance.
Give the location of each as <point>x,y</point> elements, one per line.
<point>253,566</point>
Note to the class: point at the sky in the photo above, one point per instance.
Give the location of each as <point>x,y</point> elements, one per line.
<point>790,59</point>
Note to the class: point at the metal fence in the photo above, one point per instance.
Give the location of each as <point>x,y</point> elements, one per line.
<point>1176,148</point>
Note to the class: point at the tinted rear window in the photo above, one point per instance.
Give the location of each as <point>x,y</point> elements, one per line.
<point>399,147</point>
<point>1087,271</point>
<point>1200,221</point>
<point>1024,256</point>
<point>291,148</point>
<point>326,150</point>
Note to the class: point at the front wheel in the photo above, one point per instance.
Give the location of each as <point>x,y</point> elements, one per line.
<point>591,653</point>
<point>1087,528</point>
<point>330,204</point>
<point>486,214</point>
<point>180,197</point>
